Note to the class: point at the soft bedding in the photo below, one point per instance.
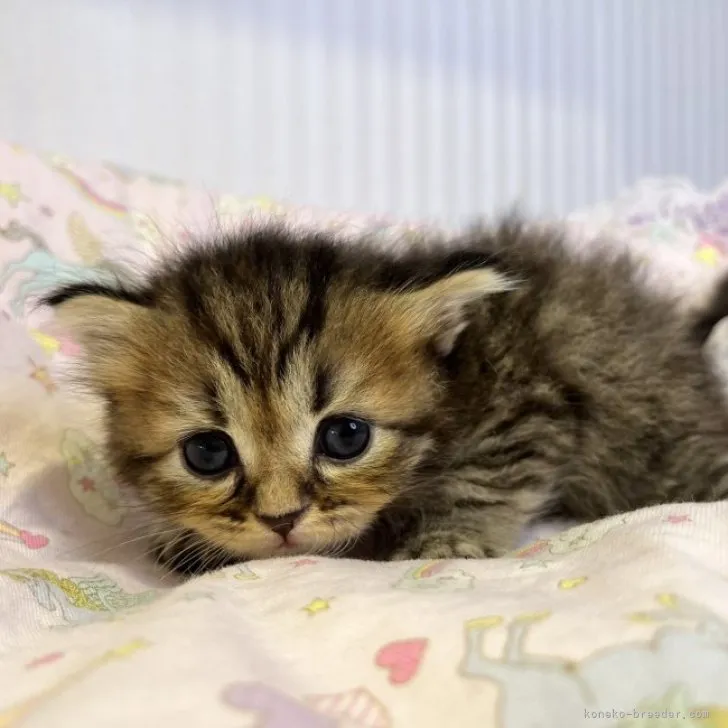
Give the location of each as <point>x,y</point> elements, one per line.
<point>618,623</point>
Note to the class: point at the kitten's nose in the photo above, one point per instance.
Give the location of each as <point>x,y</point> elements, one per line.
<point>283,524</point>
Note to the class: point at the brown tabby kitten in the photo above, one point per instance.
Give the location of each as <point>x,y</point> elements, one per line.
<point>281,393</point>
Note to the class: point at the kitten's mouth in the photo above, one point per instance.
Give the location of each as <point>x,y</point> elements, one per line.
<point>292,543</point>
<point>296,544</point>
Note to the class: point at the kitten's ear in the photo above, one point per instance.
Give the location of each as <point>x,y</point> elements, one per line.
<point>98,316</point>
<point>440,310</point>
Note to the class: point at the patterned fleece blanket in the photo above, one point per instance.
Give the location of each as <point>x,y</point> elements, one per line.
<point>623,622</point>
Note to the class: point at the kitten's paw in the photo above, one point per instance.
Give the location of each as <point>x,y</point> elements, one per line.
<point>442,546</point>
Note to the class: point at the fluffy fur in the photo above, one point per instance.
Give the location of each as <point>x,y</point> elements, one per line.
<point>503,377</point>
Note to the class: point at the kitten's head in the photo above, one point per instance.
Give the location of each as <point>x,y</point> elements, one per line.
<point>272,393</point>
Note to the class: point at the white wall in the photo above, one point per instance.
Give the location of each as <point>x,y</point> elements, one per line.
<point>427,108</point>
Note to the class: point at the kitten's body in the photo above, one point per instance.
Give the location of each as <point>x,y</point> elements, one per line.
<point>503,378</point>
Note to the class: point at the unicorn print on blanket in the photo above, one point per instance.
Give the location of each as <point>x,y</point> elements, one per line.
<point>691,652</point>
<point>537,553</point>
<point>17,713</point>
<point>435,576</point>
<point>36,273</point>
<point>39,270</point>
<point>16,232</point>
<point>30,540</point>
<point>78,599</point>
<point>88,193</point>
<point>272,708</point>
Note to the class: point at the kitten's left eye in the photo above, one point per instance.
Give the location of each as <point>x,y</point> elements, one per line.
<point>209,453</point>
<point>343,438</point>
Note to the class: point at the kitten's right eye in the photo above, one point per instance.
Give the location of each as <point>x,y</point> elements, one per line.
<point>209,454</point>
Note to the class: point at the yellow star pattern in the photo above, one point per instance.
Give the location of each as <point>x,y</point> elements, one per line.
<point>43,377</point>
<point>484,622</point>
<point>317,605</point>
<point>49,344</point>
<point>708,255</point>
<point>641,617</point>
<point>532,616</point>
<point>572,583</point>
<point>10,193</point>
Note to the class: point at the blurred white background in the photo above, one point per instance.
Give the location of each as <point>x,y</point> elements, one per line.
<point>422,108</point>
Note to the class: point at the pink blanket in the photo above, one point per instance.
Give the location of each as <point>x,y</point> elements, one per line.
<point>600,625</point>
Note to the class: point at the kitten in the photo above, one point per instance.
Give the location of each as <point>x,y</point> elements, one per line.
<point>279,393</point>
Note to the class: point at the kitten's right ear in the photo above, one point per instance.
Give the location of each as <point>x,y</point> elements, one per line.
<point>98,315</point>
<point>439,310</point>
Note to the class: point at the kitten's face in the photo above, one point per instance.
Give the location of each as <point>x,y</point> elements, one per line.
<point>270,404</point>
<point>224,453</point>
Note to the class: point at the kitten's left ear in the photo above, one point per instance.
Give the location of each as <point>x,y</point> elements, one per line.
<point>98,316</point>
<point>440,310</point>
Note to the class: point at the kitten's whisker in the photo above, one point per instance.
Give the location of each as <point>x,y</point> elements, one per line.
<point>128,542</point>
<point>204,556</point>
<point>192,550</point>
<point>341,546</point>
<point>163,551</point>
<point>76,549</point>
<point>218,552</point>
